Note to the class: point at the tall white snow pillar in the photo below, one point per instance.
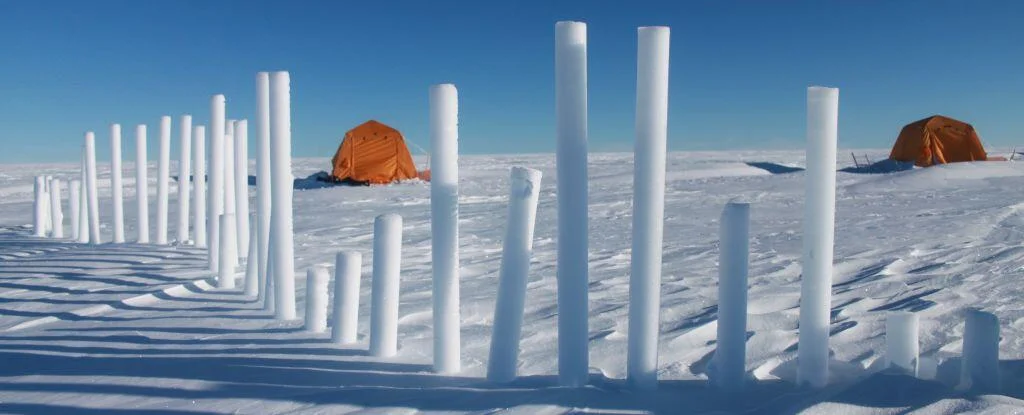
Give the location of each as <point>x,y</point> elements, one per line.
<point>818,235</point>
<point>348,267</point>
<point>242,185</point>
<point>56,214</point>
<point>263,177</point>
<point>199,185</point>
<point>215,196</point>
<point>74,198</point>
<point>162,173</point>
<point>252,284</point>
<point>901,351</point>
<point>524,192</point>
<point>116,185</point>
<point>141,185</point>
<point>384,291</point>
<point>571,170</point>
<point>229,190</point>
<point>733,262</point>
<point>979,369</point>
<point>225,267</point>
<point>444,225</point>
<point>281,173</point>
<point>91,188</point>
<point>648,205</point>
<point>184,177</point>
<point>48,217</point>
<point>317,279</point>
<point>39,219</point>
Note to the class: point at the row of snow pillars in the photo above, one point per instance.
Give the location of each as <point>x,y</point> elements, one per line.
<point>199,186</point>
<point>263,180</point>
<point>283,252</point>
<point>184,178</point>
<point>216,192</point>
<point>648,205</point>
<point>524,192</point>
<point>444,225</point>
<point>384,291</point>
<point>729,362</point>
<point>141,185</point>
<point>116,187</point>
<point>347,272</point>
<point>819,234</point>
<point>571,178</point>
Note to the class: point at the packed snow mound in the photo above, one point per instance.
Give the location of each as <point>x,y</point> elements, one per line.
<point>942,176</point>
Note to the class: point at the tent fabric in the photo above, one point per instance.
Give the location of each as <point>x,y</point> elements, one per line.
<point>938,140</point>
<point>373,153</point>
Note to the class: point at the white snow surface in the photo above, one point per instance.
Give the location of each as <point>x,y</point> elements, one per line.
<point>131,328</point>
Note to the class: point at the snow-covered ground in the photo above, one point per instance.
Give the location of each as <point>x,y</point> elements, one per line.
<point>130,328</point>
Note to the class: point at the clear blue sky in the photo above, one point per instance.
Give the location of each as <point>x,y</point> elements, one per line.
<point>739,69</point>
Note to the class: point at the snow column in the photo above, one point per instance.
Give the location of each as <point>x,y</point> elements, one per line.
<point>74,196</point>
<point>226,267</point>
<point>141,187</point>
<point>252,284</point>
<point>91,188</point>
<point>571,170</point>
<point>347,270</point>
<point>316,299</point>
<point>199,187</point>
<point>116,187</point>
<point>263,177</point>
<point>733,256</point>
<point>47,216</point>
<point>242,186</point>
<point>818,235</point>
<point>901,352</point>
<point>56,215</point>
<point>39,219</point>
<point>444,225</point>
<point>215,196</point>
<point>184,177</point>
<point>83,206</point>
<point>162,171</point>
<point>229,195</point>
<point>648,205</point>
<point>387,262</point>
<point>281,172</point>
<point>524,192</point>
<point>980,365</point>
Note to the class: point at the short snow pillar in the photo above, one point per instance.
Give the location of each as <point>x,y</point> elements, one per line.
<point>387,260</point>
<point>39,219</point>
<point>980,364</point>
<point>347,273</point>
<point>317,279</point>
<point>56,214</point>
<point>901,351</point>
<point>524,192</point>
<point>74,198</point>
<point>733,253</point>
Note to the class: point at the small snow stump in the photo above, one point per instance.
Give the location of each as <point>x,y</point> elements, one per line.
<point>56,214</point>
<point>317,279</point>
<point>39,222</point>
<point>901,331</point>
<point>74,197</point>
<point>979,371</point>
<point>347,272</point>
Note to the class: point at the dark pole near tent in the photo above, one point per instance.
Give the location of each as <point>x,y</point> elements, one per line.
<point>855,160</point>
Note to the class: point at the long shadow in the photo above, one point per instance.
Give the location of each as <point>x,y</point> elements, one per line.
<point>41,408</point>
<point>178,330</point>
<point>774,168</point>
<point>64,290</point>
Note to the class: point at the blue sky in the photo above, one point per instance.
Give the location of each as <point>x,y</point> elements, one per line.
<point>739,69</point>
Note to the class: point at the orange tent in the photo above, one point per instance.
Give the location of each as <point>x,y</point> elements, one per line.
<point>938,140</point>
<point>373,153</point>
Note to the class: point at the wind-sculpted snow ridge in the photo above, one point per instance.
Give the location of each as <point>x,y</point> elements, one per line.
<point>934,241</point>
